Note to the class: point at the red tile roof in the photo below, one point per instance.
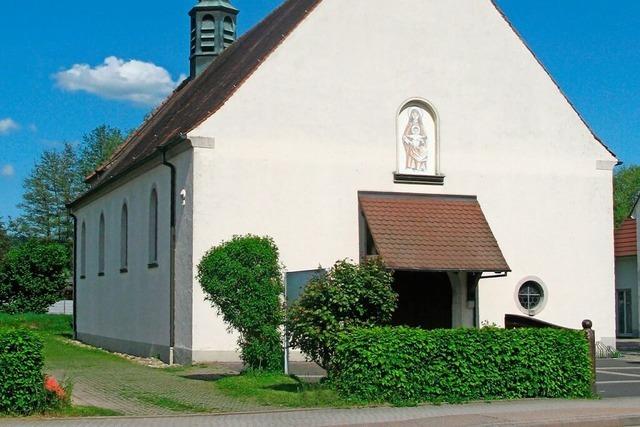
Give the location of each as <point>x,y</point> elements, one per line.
<point>626,238</point>
<point>427,232</point>
<point>199,98</point>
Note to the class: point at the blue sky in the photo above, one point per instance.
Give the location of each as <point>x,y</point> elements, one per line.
<point>590,46</point>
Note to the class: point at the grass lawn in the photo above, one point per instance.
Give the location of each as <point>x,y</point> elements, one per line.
<point>279,390</point>
<point>129,388</point>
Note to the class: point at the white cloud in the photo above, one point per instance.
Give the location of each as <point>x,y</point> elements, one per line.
<point>7,170</point>
<point>142,83</point>
<point>7,125</point>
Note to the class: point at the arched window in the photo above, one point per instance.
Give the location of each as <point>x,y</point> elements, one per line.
<point>101,246</point>
<point>153,229</point>
<point>83,251</point>
<point>418,141</point>
<point>208,34</point>
<point>124,239</point>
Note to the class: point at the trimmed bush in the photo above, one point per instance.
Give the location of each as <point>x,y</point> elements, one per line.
<point>33,276</point>
<point>348,296</point>
<point>22,389</point>
<point>242,278</point>
<point>405,365</point>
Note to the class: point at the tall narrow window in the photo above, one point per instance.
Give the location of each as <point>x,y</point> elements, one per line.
<point>101,246</point>
<point>124,239</point>
<point>153,229</point>
<point>83,251</point>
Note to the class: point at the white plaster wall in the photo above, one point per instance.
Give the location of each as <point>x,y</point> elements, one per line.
<point>316,123</point>
<point>132,306</point>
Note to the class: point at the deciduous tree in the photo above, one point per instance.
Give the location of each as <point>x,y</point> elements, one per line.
<point>626,191</point>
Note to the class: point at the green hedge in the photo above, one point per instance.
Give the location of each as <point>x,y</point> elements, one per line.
<point>21,383</point>
<point>405,365</point>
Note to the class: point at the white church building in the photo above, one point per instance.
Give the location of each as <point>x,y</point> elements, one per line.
<point>426,133</point>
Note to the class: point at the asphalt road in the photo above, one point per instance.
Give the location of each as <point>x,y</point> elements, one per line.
<point>618,377</point>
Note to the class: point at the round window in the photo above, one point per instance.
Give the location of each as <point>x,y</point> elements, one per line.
<point>531,296</point>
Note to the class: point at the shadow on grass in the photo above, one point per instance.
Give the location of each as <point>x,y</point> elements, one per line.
<point>207,377</point>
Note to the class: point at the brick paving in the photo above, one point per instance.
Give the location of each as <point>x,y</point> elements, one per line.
<point>112,382</point>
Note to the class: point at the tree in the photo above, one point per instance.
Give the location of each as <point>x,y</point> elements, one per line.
<point>53,182</point>
<point>97,147</point>
<point>5,241</point>
<point>626,191</point>
<point>33,276</point>
<point>349,295</point>
<point>243,279</point>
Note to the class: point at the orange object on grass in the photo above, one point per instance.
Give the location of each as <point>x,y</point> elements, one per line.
<point>52,385</point>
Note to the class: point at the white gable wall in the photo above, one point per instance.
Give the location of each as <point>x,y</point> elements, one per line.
<point>316,123</point>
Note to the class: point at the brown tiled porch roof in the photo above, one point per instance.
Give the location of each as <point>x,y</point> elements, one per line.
<point>431,232</point>
<point>626,238</point>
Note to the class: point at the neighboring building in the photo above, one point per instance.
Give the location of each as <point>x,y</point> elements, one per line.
<point>426,133</point>
<point>627,277</point>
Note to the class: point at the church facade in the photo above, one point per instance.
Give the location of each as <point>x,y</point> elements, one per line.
<point>429,135</point>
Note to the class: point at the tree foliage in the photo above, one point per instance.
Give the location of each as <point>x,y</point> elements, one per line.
<point>626,191</point>
<point>348,296</point>
<point>57,179</point>
<point>33,276</point>
<point>97,147</point>
<point>242,278</point>
<point>53,182</point>
<point>5,241</point>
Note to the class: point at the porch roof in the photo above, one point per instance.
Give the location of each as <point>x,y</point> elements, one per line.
<point>626,238</point>
<point>431,232</point>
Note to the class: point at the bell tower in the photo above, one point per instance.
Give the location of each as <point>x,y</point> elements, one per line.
<point>213,29</point>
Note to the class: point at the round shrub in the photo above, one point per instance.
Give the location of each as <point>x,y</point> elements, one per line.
<point>243,280</point>
<point>33,276</point>
<point>349,295</point>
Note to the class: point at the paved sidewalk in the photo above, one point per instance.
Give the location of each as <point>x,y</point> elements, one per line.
<point>607,412</point>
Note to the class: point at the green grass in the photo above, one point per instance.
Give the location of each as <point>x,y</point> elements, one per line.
<point>275,389</point>
<point>172,388</point>
<point>83,411</point>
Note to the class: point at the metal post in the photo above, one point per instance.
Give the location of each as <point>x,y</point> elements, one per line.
<point>587,326</point>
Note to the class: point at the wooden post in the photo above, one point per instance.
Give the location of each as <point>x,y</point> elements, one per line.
<point>587,326</point>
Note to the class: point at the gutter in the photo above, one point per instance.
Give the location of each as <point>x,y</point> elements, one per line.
<point>172,250</point>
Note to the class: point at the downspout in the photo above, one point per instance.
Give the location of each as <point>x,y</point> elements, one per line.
<point>172,262</point>
<point>75,269</point>
<point>172,245</point>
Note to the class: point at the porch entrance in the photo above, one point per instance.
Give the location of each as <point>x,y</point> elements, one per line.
<point>425,300</point>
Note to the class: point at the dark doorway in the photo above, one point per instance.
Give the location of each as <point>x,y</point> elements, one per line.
<point>424,299</point>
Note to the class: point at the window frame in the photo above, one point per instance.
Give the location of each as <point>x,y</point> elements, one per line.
<point>544,296</point>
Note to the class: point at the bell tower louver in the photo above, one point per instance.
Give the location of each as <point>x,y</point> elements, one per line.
<point>213,29</point>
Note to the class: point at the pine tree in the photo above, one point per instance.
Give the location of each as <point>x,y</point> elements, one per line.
<point>97,147</point>
<point>53,182</point>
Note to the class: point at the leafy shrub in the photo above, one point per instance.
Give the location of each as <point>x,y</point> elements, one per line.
<point>33,277</point>
<point>404,365</point>
<point>22,384</point>
<point>243,280</point>
<point>348,296</point>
